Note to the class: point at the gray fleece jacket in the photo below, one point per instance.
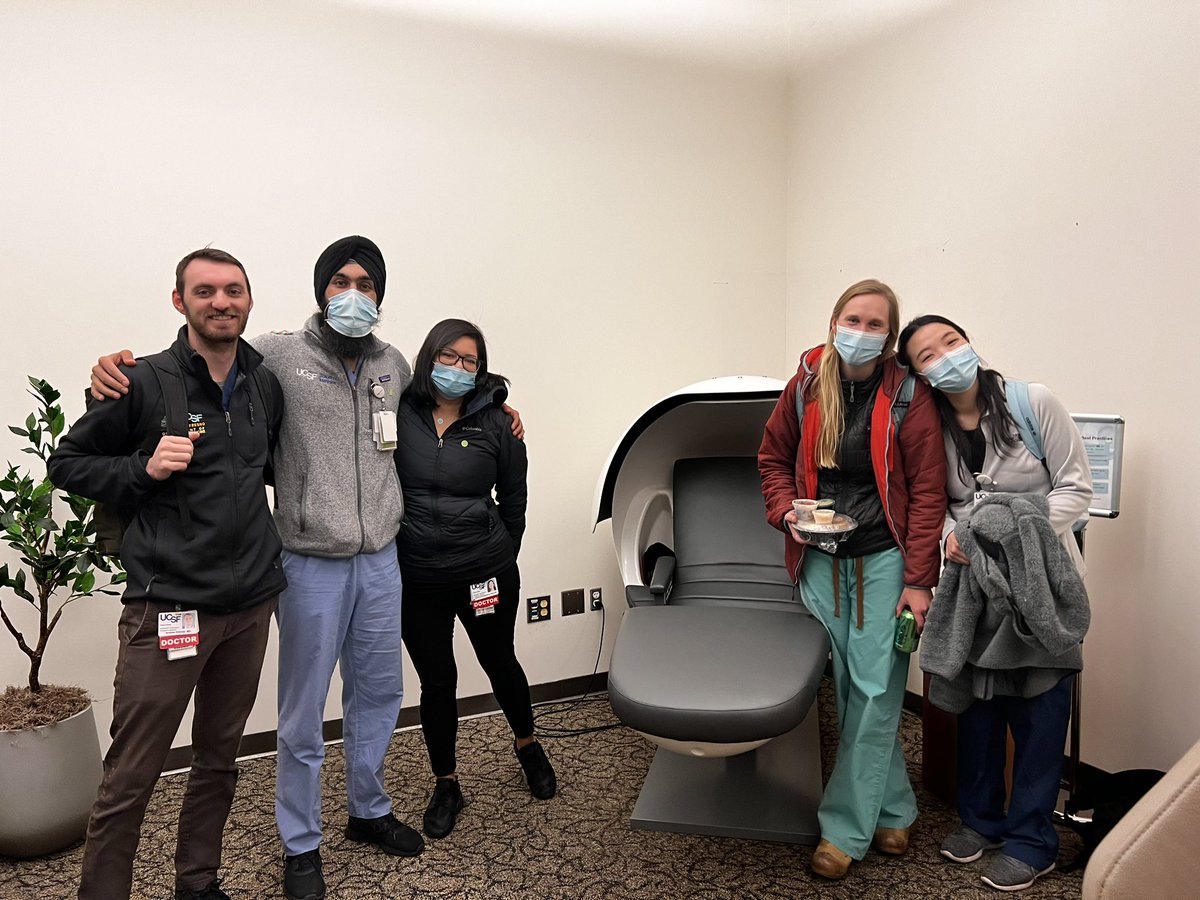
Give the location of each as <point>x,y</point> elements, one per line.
<point>1065,476</point>
<point>1012,621</point>
<point>336,493</point>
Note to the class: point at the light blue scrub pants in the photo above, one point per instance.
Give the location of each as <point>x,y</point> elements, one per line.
<point>343,611</point>
<point>869,787</point>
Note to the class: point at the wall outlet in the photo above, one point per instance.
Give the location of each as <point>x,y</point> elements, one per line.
<point>538,609</point>
<point>596,598</point>
<point>572,602</point>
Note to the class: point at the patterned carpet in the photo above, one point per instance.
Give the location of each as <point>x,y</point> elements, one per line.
<point>507,844</point>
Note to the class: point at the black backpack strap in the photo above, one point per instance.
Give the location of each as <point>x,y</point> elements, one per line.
<point>175,404</point>
<point>263,392</point>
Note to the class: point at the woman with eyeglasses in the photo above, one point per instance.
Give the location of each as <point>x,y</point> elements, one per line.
<point>853,428</point>
<point>1028,687</point>
<point>463,476</point>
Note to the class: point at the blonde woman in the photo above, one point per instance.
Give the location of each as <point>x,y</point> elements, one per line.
<point>866,436</point>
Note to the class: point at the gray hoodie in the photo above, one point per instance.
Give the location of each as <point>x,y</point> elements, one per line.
<point>336,493</point>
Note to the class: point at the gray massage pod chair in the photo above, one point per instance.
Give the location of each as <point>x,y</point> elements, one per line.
<point>717,661</point>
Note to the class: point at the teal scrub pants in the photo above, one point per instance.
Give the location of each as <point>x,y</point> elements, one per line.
<point>855,599</point>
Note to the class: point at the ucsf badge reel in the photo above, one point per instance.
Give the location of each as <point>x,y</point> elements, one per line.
<point>983,487</point>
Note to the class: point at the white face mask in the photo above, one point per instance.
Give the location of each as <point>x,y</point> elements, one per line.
<point>857,348</point>
<point>351,313</point>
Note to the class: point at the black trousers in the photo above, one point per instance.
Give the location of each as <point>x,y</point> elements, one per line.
<point>428,612</point>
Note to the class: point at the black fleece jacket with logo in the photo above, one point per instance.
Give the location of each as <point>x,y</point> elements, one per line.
<point>231,561</point>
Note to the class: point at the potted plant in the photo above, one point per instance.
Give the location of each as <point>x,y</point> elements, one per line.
<point>49,750</point>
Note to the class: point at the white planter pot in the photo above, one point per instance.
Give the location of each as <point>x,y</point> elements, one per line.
<point>48,782</point>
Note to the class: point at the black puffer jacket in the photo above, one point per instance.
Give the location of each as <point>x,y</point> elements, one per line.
<point>852,486</point>
<point>454,530</point>
<point>232,559</point>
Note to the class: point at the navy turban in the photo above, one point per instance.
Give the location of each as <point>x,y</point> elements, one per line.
<point>360,249</point>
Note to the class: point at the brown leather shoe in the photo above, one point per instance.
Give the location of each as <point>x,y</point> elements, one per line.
<point>830,862</point>
<point>892,841</point>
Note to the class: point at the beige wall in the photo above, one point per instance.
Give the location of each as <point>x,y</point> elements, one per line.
<point>1030,169</point>
<point>618,226</point>
<point>615,224</point>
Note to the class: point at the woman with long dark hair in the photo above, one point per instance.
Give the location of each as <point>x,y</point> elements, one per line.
<point>1026,687</point>
<point>463,475</point>
<point>852,427</point>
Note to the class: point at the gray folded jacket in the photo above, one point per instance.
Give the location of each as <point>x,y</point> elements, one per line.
<point>1010,623</point>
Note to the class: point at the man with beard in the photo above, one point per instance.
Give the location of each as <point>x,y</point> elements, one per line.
<point>338,509</point>
<point>202,556</point>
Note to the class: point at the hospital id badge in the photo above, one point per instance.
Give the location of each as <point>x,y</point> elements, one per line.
<point>383,429</point>
<point>179,633</point>
<point>485,596</point>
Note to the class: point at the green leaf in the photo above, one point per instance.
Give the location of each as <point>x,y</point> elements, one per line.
<point>58,423</point>
<point>84,583</point>
<point>31,423</point>
<point>79,506</point>
<point>18,586</point>
<point>21,431</point>
<point>43,489</point>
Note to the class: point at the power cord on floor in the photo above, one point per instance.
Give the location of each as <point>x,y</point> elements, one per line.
<point>568,705</point>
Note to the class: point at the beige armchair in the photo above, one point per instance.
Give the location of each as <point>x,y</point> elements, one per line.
<point>1152,850</point>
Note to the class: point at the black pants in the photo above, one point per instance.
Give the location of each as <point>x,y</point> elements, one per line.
<point>428,612</point>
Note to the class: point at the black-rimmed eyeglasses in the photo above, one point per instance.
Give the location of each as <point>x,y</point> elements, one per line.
<point>448,357</point>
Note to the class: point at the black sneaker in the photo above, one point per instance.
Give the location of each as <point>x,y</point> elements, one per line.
<point>444,806</point>
<point>538,771</point>
<point>302,878</point>
<point>212,892</point>
<point>388,834</point>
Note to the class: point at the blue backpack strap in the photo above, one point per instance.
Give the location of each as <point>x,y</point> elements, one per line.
<point>1017,394</point>
<point>903,400</point>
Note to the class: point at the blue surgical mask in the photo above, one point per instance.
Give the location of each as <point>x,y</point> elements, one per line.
<point>452,381</point>
<point>351,313</point>
<point>954,372</point>
<point>857,348</point>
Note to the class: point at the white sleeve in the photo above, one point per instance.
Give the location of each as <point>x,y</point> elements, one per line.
<point>1066,459</point>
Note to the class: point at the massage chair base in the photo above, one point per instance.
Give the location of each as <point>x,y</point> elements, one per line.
<point>768,794</point>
